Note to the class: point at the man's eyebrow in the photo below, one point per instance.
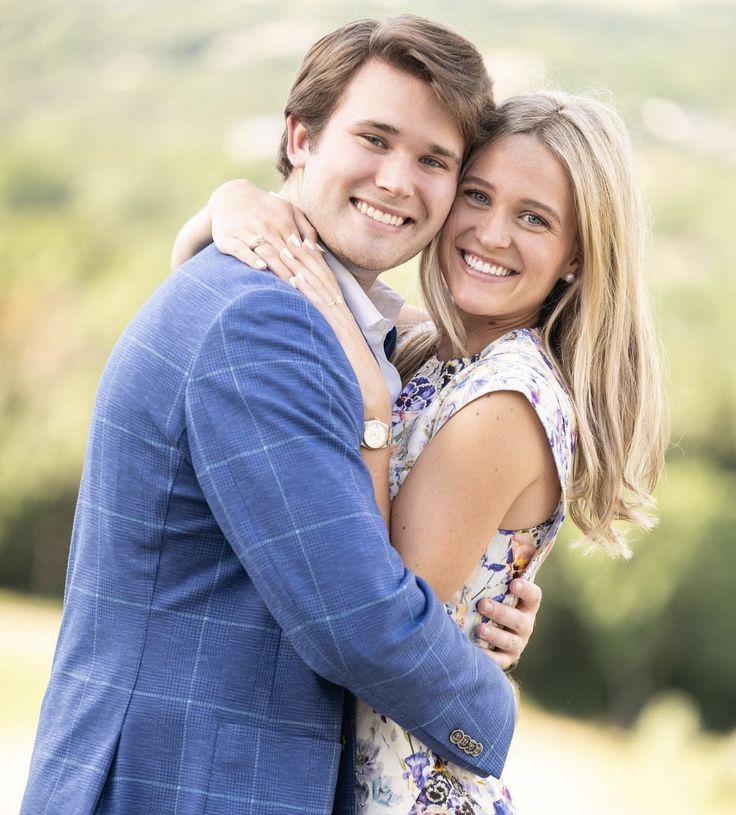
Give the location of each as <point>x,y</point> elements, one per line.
<point>477,181</point>
<point>529,202</point>
<point>386,128</point>
<point>439,150</point>
<point>436,149</point>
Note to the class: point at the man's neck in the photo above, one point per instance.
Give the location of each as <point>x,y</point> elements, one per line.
<point>290,192</point>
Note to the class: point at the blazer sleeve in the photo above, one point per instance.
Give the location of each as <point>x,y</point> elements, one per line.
<point>274,419</point>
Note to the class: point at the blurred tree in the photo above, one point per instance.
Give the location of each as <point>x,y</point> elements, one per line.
<point>119,119</point>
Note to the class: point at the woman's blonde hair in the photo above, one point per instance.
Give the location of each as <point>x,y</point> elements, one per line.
<point>598,329</point>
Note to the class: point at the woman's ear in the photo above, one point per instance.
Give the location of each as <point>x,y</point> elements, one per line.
<point>297,145</point>
<point>574,267</point>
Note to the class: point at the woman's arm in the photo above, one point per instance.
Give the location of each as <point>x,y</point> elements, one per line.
<point>192,238</point>
<point>489,467</point>
<point>311,275</point>
<point>236,214</point>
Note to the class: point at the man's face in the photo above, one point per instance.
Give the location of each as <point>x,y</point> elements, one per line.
<point>380,180</point>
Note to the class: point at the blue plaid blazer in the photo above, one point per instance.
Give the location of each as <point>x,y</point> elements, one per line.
<point>230,581</point>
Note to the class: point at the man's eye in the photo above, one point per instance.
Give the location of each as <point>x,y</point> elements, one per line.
<point>433,162</point>
<point>374,140</point>
<point>476,196</point>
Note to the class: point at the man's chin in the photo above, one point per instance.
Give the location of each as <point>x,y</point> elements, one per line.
<point>372,262</point>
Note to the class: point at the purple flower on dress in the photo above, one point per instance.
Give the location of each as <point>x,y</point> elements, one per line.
<point>501,807</point>
<point>491,565</point>
<point>418,764</point>
<point>416,395</point>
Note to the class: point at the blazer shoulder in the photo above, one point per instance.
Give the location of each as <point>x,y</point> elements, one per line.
<point>268,323</point>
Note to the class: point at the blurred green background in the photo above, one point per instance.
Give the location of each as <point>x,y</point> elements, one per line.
<point>118,119</point>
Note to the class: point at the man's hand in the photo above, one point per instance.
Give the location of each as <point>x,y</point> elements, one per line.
<point>513,626</point>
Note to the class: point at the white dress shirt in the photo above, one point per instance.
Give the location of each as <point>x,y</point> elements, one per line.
<point>376,313</point>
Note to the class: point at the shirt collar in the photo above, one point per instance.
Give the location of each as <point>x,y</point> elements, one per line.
<point>376,313</point>
<point>375,310</point>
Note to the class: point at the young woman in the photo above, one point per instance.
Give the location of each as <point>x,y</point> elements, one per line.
<point>534,384</point>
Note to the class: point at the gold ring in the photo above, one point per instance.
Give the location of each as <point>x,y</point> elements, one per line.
<point>256,242</point>
<point>337,301</point>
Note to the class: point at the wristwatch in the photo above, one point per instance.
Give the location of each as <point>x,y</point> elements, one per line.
<point>376,434</point>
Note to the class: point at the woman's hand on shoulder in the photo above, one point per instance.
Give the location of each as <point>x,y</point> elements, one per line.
<point>247,223</point>
<point>256,226</point>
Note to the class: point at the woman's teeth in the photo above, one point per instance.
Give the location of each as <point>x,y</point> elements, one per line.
<point>485,268</point>
<point>377,215</point>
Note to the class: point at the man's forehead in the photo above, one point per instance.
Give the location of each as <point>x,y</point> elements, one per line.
<point>391,111</point>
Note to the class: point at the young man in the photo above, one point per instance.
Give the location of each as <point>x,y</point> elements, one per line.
<point>230,575</point>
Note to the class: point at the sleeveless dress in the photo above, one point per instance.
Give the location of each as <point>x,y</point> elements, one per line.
<point>394,772</point>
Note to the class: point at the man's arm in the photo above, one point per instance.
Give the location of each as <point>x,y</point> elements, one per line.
<point>274,421</point>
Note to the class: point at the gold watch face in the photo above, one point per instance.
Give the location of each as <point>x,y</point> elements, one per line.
<point>375,434</point>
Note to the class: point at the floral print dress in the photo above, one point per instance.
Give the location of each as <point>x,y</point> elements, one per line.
<point>394,772</point>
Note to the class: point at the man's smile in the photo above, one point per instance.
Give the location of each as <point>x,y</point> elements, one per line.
<point>381,216</point>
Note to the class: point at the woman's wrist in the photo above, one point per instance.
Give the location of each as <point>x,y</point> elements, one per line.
<point>377,404</point>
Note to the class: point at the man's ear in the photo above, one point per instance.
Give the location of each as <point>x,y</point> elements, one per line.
<point>297,145</point>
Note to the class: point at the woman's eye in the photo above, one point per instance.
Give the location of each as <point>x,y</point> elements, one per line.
<point>534,220</point>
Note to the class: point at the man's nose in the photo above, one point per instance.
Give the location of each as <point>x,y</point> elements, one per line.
<point>396,175</point>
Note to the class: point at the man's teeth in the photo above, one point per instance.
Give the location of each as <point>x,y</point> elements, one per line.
<point>377,215</point>
<point>486,268</point>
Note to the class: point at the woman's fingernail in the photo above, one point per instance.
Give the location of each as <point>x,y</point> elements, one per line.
<point>308,243</point>
<point>294,241</point>
<point>292,281</point>
<point>286,253</point>
<point>260,264</point>
<point>321,248</point>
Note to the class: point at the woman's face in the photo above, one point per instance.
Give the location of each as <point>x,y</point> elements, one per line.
<point>511,235</point>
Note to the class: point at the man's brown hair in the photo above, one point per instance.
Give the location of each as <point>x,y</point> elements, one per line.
<point>449,63</point>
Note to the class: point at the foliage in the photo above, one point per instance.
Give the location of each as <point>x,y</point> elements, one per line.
<point>118,120</point>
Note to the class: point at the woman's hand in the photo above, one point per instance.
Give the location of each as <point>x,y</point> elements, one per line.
<point>247,223</point>
<point>309,273</point>
<point>513,625</point>
<point>255,226</point>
